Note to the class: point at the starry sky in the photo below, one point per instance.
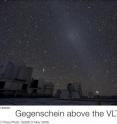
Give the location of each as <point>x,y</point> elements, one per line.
<point>63,40</point>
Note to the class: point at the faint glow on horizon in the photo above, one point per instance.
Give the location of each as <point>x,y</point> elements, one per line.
<point>97,92</point>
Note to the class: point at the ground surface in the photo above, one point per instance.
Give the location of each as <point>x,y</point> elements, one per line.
<point>53,101</point>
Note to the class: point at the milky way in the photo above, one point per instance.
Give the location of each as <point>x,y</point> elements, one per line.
<point>62,40</point>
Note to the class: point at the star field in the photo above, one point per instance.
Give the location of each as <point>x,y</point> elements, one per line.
<point>63,41</point>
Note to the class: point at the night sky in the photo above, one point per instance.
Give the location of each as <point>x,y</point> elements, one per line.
<point>63,40</point>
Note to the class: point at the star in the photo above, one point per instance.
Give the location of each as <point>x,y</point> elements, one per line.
<point>43,70</point>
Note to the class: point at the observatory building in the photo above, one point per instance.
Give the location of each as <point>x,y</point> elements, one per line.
<point>14,79</point>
